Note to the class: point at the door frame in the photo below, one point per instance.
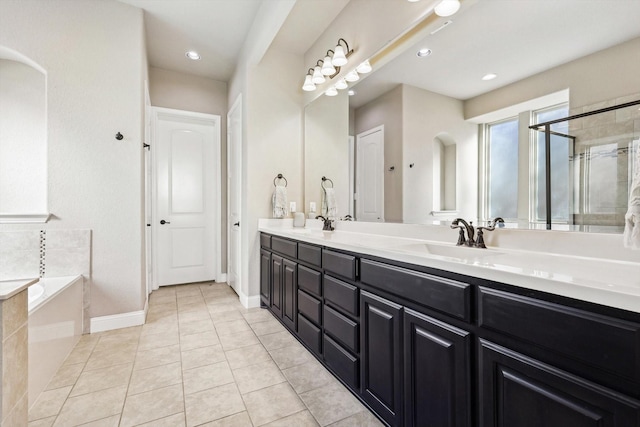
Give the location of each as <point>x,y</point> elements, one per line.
<point>217,187</point>
<point>236,108</point>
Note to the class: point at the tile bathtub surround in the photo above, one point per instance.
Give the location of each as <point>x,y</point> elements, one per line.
<point>13,360</point>
<point>200,360</point>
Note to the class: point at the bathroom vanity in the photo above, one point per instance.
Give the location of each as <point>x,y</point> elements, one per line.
<point>424,344</point>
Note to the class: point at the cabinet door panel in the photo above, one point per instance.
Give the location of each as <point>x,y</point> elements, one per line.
<point>265,277</point>
<point>289,294</point>
<point>276,284</point>
<point>437,373</point>
<point>516,390</point>
<point>381,356</point>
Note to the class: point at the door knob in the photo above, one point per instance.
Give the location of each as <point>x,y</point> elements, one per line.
<point>163,222</point>
<point>237,224</point>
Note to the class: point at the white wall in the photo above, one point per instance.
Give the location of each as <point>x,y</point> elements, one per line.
<point>93,54</point>
<point>171,89</point>
<point>23,139</point>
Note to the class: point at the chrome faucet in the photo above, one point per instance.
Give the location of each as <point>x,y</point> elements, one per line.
<point>328,223</point>
<point>471,240</point>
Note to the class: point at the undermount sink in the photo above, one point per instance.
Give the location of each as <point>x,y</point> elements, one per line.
<point>458,252</point>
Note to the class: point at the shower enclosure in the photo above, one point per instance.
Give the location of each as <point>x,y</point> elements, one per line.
<point>590,160</point>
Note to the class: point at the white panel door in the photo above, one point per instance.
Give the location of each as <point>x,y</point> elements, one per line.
<point>187,194</point>
<point>370,175</point>
<point>234,191</point>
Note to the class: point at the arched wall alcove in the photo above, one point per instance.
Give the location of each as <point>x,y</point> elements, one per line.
<point>23,139</point>
<point>444,172</point>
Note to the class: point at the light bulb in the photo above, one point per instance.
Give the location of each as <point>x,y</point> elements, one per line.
<point>331,91</point>
<point>339,59</point>
<point>327,68</point>
<point>364,68</point>
<point>342,84</point>
<point>447,7</point>
<point>352,76</point>
<point>308,85</point>
<point>317,78</point>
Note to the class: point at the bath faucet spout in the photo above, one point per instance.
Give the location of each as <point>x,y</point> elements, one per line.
<point>328,223</point>
<point>464,226</point>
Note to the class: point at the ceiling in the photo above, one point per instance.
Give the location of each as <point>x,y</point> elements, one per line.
<point>514,39</point>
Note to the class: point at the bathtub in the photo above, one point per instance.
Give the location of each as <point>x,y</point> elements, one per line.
<point>55,326</point>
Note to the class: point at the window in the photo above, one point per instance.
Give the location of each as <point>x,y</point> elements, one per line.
<point>502,157</point>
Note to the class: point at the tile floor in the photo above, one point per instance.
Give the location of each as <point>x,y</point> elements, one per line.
<point>200,360</point>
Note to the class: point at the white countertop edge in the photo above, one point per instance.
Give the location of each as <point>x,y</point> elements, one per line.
<point>9,288</point>
<point>627,299</point>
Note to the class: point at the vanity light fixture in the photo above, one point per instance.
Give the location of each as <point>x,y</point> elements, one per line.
<point>351,92</point>
<point>193,55</point>
<point>332,91</point>
<point>317,77</point>
<point>364,68</point>
<point>342,84</point>
<point>308,85</point>
<point>447,7</point>
<point>327,67</point>
<point>423,52</point>
<point>489,76</point>
<point>352,76</point>
<point>340,54</point>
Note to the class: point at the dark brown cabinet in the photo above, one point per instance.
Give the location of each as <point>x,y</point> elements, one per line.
<point>382,356</point>
<point>289,294</point>
<point>276,284</point>
<point>437,372</point>
<point>265,277</point>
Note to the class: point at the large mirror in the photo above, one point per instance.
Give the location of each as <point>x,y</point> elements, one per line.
<point>428,139</point>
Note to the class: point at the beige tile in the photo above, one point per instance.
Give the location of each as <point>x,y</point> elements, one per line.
<point>196,327</point>
<point>161,299</point>
<point>190,299</point>
<point>112,421</point>
<point>213,404</point>
<point>44,422</point>
<point>260,315</point>
<point>277,340</point>
<point>221,308</point>
<point>187,290</point>
<point>201,339</point>
<point>245,356</point>
<point>159,328</point>
<point>225,315</point>
<point>299,419</point>
<point>192,316</point>
<point>331,403</point>
<point>152,405</point>
<point>307,377</point>
<point>232,327</point>
<point>14,368</point>
<point>49,403</point>
<point>237,420</point>
<point>164,339</point>
<point>91,407</point>
<point>192,307</point>
<point>361,419</point>
<point>293,355</point>
<point>143,380</point>
<point>65,376</point>
<point>255,377</point>
<point>167,317</point>
<point>100,379</point>
<point>208,376</point>
<point>157,357</point>
<point>116,344</point>
<point>267,327</point>
<point>231,300</point>
<point>13,313</point>
<point>106,358</point>
<point>124,333</point>
<point>272,403</point>
<point>202,356</point>
<point>176,420</point>
<point>18,415</point>
<point>240,339</point>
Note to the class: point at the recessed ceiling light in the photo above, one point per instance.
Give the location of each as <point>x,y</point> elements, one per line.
<point>424,52</point>
<point>351,92</point>
<point>447,7</point>
<point>489,76</point>
<point>192,54</point>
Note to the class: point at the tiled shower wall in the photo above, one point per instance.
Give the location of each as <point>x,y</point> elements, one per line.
<point>605,147</point>
<point>48,253</point>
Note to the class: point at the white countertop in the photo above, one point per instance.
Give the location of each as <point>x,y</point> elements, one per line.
<point>610,282</point>
<point>9,288</point>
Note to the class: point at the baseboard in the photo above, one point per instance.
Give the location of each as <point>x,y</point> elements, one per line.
<point>117,321</point>
<point>249,302</point>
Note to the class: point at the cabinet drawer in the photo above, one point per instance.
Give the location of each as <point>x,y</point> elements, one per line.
<point>445,295</point>
<point>342,363</point>
<point>341,294</point>
<point>599,341</point>
<point>265,240</point>
<point>341,328</point>
<point>310,334</point>
<point>309,253</point>
<point>340,264</point>
<point>310,307</point>
<point>284,246</point>
<point>310,280</point>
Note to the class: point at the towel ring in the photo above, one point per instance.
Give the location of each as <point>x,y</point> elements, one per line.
<point>325,179</point>
<point>280,176</point>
